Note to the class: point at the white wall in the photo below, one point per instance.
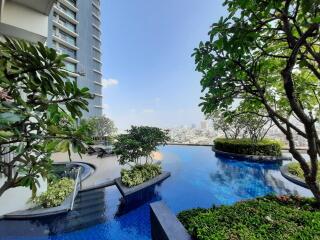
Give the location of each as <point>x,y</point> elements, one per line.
<point>23,22</point>
<point>16,199</point>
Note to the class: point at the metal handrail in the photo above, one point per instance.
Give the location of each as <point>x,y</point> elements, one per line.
<point>77,181</point>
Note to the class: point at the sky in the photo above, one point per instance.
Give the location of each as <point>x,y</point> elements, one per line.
<point>149,75</point>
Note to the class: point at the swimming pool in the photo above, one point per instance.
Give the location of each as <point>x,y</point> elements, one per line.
<point>198,179</point>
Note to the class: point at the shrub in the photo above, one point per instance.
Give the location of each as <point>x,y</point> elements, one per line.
<point>265,147</point>
<point>295,169</point>
<point>55,195</point>
<point>274,218</point>
<point>139,174</point>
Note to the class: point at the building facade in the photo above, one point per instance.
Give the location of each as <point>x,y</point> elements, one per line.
<point>74,29</point>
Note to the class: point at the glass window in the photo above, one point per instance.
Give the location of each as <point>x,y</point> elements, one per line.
<point>66,37</point>
<point>70,66</point>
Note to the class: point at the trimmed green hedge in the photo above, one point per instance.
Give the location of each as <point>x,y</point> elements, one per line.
<point>139,174</point>
<point>272,218</point>
<point>56,193</point>
<point>295,169</point>
<point>265,147</point>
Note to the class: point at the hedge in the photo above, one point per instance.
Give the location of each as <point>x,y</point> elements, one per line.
<point>266,147</point>
<point>272,218</point>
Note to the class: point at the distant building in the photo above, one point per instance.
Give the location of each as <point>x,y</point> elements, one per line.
<point>74,29</point>
<point>204,125</point>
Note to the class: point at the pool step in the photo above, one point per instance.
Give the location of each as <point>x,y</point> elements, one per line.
<point>89,209</point>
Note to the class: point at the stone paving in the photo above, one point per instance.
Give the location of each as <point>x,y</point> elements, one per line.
<point>107,168</point>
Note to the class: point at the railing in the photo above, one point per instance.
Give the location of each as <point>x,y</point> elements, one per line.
<point>77,187</point>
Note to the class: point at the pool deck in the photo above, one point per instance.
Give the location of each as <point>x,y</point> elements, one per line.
<point>106,169</point>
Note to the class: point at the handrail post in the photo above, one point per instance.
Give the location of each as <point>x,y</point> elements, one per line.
<point>75,189</point>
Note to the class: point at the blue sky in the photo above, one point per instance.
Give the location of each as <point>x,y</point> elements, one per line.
<point>148,70</point>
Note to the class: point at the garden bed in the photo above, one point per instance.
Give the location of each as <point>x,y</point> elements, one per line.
<point>263,218</point>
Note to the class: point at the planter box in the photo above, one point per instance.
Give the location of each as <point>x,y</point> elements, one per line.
<point>141,191</point>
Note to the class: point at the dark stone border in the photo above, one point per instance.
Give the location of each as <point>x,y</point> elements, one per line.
<point>292,178</point>
<point>165,225</point>
<point>107,183</point>
<point>252,158</point>
<point>126,191</point>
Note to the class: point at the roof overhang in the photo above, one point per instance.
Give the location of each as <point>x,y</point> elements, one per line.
<point>42,6</point>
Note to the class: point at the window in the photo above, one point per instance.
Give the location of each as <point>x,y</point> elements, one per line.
<point>64,22</point>
<point>66,50</point>
<point>96,65</point>
<point>70,66</point>
<point>95,10</point>
<point>72,2</point>
<point>96,32</point>
<point>66,37</point>
<point>96,43</point>
<point>96,54</point>
<point>67,11</point>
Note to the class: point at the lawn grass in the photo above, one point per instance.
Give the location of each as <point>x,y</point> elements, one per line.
<point>295,169</point>
<point>270,218</point>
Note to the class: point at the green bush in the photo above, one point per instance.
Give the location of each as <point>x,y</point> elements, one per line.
<point>56,193</point>
<point>272,218</point>
<point>139,174</point>
<point>295,169</point>
<point>265,147</point>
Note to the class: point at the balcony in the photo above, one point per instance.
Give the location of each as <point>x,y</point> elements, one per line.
<point>71,18</point>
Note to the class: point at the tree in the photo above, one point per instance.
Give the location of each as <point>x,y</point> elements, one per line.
<point>138,143</point>
<point>267,54</point>
<point>235,124</point>
<point>101,126</point>
<point>38,111</point>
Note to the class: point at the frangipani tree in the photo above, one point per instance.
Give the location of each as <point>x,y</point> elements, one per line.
<point>267,53</point>
<point>138,143</point>
<point>38,111</point>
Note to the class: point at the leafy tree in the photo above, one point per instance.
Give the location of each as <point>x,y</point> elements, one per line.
<point>235,124</point>
<point>38,108</point>
<point>138,143</point>
<point>268,54</point>
<point>101,126</point>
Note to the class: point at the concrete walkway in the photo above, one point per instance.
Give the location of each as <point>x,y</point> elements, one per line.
<point>107,168</point>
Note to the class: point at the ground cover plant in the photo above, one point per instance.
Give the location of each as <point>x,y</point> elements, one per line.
<point>56,193</point>
<point>139,174</point>
<point>272,218</point>
<point>135,149</point>
<point>265,147</point>
<point>295,169</point>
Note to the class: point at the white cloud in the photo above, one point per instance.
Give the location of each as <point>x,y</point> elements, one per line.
<point>148,110</point>
<point>106,83</point>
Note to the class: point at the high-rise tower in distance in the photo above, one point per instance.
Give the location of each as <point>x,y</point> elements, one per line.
<point>74,29</point>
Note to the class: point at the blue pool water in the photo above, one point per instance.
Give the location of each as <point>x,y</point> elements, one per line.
<point>198,179</point>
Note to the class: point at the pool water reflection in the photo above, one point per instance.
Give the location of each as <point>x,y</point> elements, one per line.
<point>198,179</point>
